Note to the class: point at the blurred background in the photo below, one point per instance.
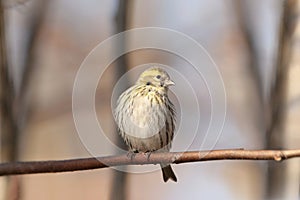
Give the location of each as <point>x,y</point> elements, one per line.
<point>254,44</point>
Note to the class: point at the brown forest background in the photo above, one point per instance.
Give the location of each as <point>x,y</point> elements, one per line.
<point>254,43</point>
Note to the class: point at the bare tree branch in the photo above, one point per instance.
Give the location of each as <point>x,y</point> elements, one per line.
<point>35,167</point>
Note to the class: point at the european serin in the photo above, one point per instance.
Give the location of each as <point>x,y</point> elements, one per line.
<point>146,116</point>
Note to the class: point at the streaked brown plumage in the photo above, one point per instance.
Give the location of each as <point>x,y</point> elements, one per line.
<point>146,117</point>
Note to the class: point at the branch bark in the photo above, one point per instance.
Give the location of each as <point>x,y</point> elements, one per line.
<point>55,166</point>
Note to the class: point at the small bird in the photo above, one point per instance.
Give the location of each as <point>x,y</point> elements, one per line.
<point>146,117</point>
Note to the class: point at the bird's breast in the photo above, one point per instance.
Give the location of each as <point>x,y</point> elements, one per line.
<point>147,116</point>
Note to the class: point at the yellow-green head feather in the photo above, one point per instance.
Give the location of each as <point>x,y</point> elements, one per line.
<point>155,76</point>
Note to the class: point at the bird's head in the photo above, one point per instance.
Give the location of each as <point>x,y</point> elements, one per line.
<point>155,76</point>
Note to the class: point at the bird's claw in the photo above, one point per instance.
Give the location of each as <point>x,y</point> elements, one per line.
<point>131,155</point>
<point>147,154</point>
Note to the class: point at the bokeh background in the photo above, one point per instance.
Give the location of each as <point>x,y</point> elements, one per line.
<point>254,44</point>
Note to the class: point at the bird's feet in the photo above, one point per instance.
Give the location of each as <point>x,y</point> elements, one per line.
<point>131,154</point>
<point>147,154</point>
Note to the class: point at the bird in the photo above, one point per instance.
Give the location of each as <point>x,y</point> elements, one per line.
<point>145,116</point>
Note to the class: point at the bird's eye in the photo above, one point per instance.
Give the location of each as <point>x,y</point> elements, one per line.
<point>158,76</point>
<point>148,83</point>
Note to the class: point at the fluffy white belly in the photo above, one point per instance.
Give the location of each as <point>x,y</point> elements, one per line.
<point>146,120</point>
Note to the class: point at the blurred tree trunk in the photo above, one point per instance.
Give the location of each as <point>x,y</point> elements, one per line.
<point>276,121</point>
<point>119,185</point>
<point>280,183</point>
<point>23,104</point>
<point>243,19</point>
<point>246,22</point>
<point>14,103</point>
<point>8,123</point>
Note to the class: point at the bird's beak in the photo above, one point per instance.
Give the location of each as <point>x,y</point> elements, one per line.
<point>169,83</point>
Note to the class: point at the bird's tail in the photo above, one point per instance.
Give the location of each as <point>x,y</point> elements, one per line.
<point>168,173</point>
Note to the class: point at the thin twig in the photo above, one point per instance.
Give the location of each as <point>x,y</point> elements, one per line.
<point>35,167</point>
